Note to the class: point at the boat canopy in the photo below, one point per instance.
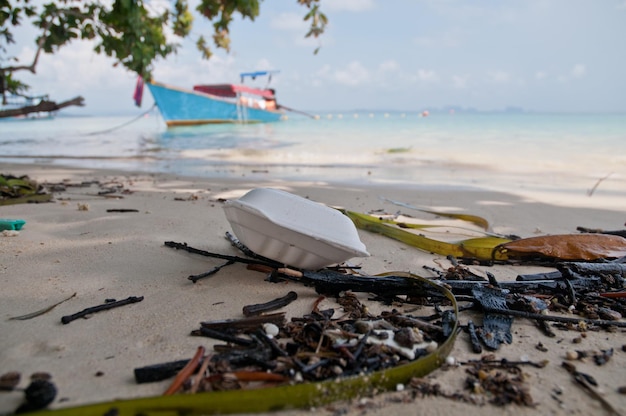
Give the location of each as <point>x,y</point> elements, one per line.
<point>231,90</point>
<point>255,74</point>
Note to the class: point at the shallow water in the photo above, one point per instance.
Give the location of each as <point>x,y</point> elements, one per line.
<point>564,153</point>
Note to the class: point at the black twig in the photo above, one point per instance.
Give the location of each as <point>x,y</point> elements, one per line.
<point>553,318</point>
<point>259,308</point>
<point>105,306</point>
<point>189,249</point>
<point>194,278</point>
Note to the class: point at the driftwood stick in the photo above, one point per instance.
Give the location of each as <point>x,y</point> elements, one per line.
<point>105,306</point>
<point>259,308</point>
<point>553,318</point>
<point>251,322</point>
<point>158,372</point>
<point>186,372</point>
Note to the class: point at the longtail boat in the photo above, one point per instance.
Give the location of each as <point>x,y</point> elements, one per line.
<point>216,103</point>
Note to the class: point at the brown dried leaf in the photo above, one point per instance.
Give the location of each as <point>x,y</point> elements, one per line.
<point>567,247</point>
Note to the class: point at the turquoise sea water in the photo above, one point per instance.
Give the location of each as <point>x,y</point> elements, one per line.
<point>568,153</point>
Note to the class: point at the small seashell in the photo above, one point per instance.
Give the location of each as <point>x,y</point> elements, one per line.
<point>399,387</point>
<point>609,314</point>
<point>450,360</point>
<point>363,327</point>
<point>431,347</point>
<point>572,355</point>
<point>271,330</point>
<point>337,370</point>
<point>405,337</point>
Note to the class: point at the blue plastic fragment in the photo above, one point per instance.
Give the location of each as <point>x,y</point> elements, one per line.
<point>6,224</point>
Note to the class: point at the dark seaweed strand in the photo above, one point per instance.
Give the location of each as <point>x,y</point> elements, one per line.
<point>259,308</point>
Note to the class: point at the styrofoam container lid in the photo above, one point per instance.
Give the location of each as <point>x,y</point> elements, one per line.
<point>293,230</point>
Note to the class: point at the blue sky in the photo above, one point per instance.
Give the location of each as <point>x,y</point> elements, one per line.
<point>406,55</point>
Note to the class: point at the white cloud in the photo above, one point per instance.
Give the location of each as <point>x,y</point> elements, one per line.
<point>348,5</point>
<point>460,81</point>
<point>541,75</point>
<point>578,71</point>
<point>291,22</point>
<point>499,77</point>
<point>445,40</point>
<point>388,66</point>
<point>218,69</point>
<point>74,67</point>
<point>427,75</point>
<point>353,74</point>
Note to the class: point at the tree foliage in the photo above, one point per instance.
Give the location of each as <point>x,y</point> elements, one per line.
<point>134,33</point>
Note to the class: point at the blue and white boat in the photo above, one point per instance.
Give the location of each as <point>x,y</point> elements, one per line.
<point>216,103</point>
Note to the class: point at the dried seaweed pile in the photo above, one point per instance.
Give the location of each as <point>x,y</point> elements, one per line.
<point>578,296</point>
<point>267,349</point>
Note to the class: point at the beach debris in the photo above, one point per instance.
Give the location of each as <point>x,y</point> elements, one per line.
<point>20,190</point>
<point>259,308</point>
<point>502,379</point>
<point>38,394</point>
<point>194,278</point>
<point>575,247</point>
<point>621,233</point>
<point>293,230</point>
<point>585,247</point>
<point>9,381</point>
<point>496,328</point>
<point>11,224</point>
<point>122,210</point>
<point>500,382</point>
<point>314,347</point>
<point>333,346</point>
<point>158,372</point>
<point>589,384</point>
<point>41,311</point>
<point>475,219</point>
<point>110,304</point>
<point>186,372</point>
<point>481,247</point>
<point>598,182</point>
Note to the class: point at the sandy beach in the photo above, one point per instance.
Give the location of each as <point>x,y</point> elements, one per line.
<point>74,245</point>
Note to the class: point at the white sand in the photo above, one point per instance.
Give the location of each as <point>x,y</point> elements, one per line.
<point>100,255</point>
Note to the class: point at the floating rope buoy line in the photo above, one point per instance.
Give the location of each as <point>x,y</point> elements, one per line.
<point>123,124</point>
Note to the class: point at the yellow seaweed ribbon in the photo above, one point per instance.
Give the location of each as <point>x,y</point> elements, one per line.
<point>481,248</point>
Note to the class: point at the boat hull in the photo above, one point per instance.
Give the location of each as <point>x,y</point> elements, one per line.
<point>180,107</point>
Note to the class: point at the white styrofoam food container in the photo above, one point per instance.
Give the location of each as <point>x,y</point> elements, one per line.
<point>293,230</point>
